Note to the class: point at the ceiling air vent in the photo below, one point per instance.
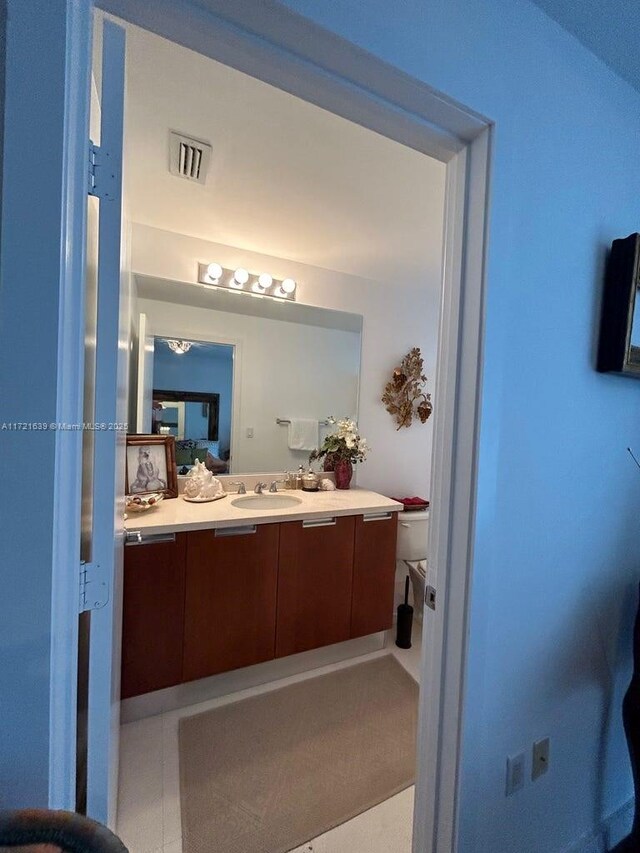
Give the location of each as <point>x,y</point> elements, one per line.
<point>188,157</point>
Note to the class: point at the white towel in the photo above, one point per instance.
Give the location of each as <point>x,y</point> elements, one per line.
<point>303,434</point>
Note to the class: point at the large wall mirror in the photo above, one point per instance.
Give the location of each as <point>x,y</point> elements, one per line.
<point>246,384</point>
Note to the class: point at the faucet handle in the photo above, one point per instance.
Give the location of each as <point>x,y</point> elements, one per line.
<point>274,485</point>
<point>259,487</point>
<point>242,489</point>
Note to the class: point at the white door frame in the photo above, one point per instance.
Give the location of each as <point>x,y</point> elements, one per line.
<point>279,47</point>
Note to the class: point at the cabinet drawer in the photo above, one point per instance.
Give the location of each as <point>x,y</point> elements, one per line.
<point>314,584</point>
<point>230,602</point>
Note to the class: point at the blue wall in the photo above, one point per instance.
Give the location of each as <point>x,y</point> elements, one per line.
<point>208,370</point>
<point>557,554</point>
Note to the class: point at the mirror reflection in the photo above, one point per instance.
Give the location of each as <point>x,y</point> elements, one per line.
<point>192,400</point>
<point>245,393</point>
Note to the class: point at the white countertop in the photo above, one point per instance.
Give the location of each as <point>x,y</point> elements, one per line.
<point>176,515</point>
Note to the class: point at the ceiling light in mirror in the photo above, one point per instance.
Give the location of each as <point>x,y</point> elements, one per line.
<point>179,347</point>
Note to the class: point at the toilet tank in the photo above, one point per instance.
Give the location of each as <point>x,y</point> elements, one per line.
<point>413,535</point>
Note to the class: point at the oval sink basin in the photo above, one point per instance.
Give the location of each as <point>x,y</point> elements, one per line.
<point>265,502</point>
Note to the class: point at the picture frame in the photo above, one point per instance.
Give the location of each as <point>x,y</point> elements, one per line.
<point>210,408</point>
<point>619,344</point>
<point>151,465</point>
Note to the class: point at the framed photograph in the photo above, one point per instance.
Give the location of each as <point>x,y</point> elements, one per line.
<point>151,465</point>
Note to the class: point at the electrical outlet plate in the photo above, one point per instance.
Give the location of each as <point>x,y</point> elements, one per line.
<point>515,773</point>
<point>540,759</point>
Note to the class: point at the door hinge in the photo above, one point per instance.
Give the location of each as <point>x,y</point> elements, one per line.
<point>94,593</point>
<point>430,597</point>
<point>102,178</point>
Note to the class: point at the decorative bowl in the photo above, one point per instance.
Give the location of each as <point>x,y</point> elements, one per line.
<point>142,503</point>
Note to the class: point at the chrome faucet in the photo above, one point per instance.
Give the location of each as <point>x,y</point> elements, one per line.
<point>274,485</point>
<point>242,489</point>
<point>259,487</point>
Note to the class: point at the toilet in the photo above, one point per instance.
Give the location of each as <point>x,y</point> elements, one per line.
<point>411,555</point>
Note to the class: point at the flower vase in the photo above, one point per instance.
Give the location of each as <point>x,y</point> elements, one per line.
<point>343,471</point>
<point>329,461</point>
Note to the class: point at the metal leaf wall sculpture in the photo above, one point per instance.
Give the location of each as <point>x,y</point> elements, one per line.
<point>404,396</point>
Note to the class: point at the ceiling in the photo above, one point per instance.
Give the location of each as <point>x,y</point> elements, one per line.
<point>609,28</point>
<point>286,178</point>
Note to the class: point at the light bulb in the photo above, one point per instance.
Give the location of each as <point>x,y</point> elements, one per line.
<point>240,277</point>
<point>265,280</point>
<point>214,271</point>
<point>288,285</point>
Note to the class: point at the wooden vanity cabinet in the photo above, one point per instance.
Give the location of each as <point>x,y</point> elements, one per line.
<point>153,615</point>
<point>315,578</point>
<point>209,601</point>
<point>230,601</point>
<point>374,571</point>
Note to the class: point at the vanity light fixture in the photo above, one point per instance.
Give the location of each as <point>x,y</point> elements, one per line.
<point>263,283</point>
<point>179,347</point>
<point>287,289</point>
<point>240,280</point>
<point>214,271</point>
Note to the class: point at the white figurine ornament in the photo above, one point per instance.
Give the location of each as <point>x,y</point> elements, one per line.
<point>201,485</point>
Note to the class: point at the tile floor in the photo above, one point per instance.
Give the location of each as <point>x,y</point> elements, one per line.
<point>149,795</point>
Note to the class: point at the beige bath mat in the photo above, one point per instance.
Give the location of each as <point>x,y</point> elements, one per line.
<point>268,773</point>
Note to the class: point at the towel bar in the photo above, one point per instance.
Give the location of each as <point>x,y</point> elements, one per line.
<point>288,421</point>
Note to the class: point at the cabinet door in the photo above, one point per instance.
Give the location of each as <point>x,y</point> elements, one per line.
<point>230,609</point>
<point>314,584</point>
<point>374,570</point>
<point>153,616</point>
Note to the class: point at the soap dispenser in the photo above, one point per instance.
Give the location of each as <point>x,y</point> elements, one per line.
<point>299,477</point>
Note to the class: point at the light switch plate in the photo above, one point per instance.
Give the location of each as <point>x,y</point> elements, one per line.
<point>515,773</point>
<point>540,759</point>
<point>249,432</point>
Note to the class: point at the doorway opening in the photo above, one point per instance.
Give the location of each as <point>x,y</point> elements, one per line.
<point>449,484</point>
<point>356,220</point>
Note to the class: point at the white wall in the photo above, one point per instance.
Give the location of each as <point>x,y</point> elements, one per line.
<point>396,317</point>
<point>285,370</point>
<point>557,553</point>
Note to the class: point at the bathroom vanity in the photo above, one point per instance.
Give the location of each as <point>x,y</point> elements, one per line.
<point>210,588</point>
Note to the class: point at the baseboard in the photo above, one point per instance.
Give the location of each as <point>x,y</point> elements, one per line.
<point>612,830</point>
<point>150,704</point>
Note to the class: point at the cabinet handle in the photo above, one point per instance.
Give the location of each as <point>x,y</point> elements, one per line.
<point>319,522</point>
<point>137,537</point>
<point>378,516</point>
<point>245,530</point>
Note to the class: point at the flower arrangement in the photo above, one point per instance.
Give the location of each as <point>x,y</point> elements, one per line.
<point>345,443</point>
